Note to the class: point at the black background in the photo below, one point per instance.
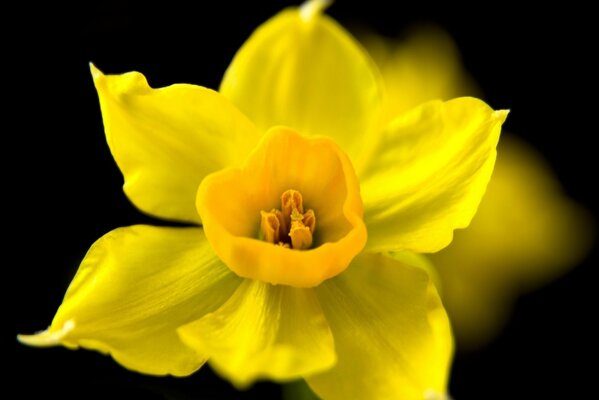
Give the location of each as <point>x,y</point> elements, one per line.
<point>63,190</point>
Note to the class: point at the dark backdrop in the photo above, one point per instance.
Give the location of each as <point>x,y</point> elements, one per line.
<point>63,190</point>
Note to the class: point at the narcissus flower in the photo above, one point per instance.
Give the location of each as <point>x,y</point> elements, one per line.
<point>526,231</point>
<point>308,210</point>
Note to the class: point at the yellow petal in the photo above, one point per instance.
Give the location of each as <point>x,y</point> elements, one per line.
<point>231,202</point>
<point>392,336</point>
<point>302,70</point>
<point>134,288</point>
<point>428,173</point>
<point>264,331</point>
<point>424,66</point>
<point>525,233</point>
<point>420,261</point>
<point>166,140</point>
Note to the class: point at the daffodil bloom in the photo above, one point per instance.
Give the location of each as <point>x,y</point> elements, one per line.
<point>309,213</point>
<point>526,231</point>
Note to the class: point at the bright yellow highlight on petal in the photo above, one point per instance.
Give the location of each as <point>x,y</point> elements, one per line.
<point>232,203</point>
<point>311,9</point>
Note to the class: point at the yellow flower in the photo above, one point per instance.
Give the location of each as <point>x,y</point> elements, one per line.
<point>307,212</point>
<point>526,231</point>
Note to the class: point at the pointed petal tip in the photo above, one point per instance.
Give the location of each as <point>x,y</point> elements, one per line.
<point>310,8</point>
<point>502,114</point>
<point>431,394</point>
<point>46,338</point>
<point>96,73</point>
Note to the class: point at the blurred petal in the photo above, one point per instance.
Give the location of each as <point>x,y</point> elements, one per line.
<point>428,174</point>
<point>526,233</point>
<point>134,288</point>
<point>264,331</point>
<point>166,140</point>
<point>392,336</point>
<point>304,71</point>
<point>424,66</point>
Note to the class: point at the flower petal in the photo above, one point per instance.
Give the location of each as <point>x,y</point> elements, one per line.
<point>134,288</point>
<point>302,70</point>
<point>428,174</point>
<point>278,332</point>
<point>391,333</point>
<point>166,140</point>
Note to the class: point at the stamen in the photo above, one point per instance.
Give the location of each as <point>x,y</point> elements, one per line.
<point>283,226</point>
<point>310,220</point>
<point>301,237</point>
<point>269,226</point>
<point>292,200</point>
<point>291,227</point>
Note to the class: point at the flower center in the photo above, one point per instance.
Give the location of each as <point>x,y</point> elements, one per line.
<point>259,238</point>
<point>289,227</point>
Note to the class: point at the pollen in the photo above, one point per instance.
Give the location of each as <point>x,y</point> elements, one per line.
<point>289,227</point>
